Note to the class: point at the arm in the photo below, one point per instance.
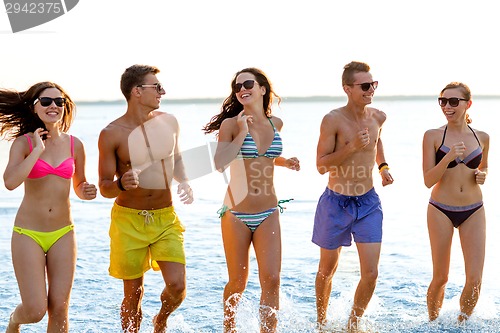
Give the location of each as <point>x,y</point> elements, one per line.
<point>108,187</point>
<point>432,171</point>
<point>328,155</point>
<point>83,190</point>
<point>290,163</point>
<point>183,190</point>
<point>380,158</point>
<point>482,170</point>
<point>228,146</point>
<point>20,164</point>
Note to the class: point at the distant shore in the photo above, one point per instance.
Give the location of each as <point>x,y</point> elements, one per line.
<point>289,99</point>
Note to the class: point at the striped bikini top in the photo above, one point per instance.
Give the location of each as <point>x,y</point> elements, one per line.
<point>249,147</point>
<point>64,170</point>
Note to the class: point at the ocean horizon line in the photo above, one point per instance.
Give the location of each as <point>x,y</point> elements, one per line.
<point>208,100</point>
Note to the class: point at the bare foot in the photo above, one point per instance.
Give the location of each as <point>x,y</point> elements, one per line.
<point>13,328</point>
<point>159,327</point>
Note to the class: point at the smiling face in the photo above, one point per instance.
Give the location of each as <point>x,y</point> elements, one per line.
<point>150,94</point>
<point>454,113</point>
<point>355,89</point>
<point>51,114</point>
<point>250,90</point>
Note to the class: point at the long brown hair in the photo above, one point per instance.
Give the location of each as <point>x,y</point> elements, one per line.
<point>231,106</point>
<point>17,116</point>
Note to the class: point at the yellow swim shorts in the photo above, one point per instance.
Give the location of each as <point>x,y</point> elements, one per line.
<point>141,238</point>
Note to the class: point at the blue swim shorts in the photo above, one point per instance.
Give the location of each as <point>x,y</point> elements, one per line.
<point>339,216</point>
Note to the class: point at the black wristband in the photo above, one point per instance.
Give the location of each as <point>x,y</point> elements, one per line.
<point>119,183</point>
<point>381,165</point>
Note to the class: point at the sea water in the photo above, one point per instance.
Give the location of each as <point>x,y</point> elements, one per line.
<point>399,301</point>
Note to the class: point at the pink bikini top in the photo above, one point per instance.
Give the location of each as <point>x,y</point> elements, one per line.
<point>41,168</point>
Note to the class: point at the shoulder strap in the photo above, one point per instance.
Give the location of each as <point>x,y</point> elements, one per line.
<point>29,141</point>
<point>72,145</point>
<point>444,135</point>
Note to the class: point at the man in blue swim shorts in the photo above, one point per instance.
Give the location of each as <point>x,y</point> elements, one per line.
<point>138,160</point>
<point>348,148</point>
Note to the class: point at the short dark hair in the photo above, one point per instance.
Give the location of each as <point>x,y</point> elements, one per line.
<point>134,76</point>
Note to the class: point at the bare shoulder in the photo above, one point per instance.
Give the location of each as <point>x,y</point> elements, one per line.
<point>227,124</point>
<point>278,123</point>
<point>334,115</point>
<point>378,115</point>
<point>434,133</point>
<point>483,136</point>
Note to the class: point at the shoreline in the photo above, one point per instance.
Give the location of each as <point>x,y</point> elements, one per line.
<point>290,99</point>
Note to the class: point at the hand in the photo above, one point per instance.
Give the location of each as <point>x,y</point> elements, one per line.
<point>362,139</point>
<point>130,179</point>
<point>185,193</point>
<point>89,191</point>
<point>457,150</point>
<point>480,177</point>
<point>243,120</point>
<point>39,144</point>
<point>292,163</point>
<point>386,177</point>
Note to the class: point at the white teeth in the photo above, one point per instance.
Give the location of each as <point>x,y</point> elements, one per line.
<point>245,95</point>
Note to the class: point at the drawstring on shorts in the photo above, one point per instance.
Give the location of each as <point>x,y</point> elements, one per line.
<point>148,216</point>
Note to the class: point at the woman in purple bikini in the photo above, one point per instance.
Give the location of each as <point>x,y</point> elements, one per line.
<point>249,142</point>
<point>455,163</point>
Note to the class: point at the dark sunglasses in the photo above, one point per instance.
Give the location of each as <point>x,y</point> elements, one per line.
<point>366,86</point>
<point>248,84</point>
<point>454,101</point>
<point>46,101</point>
<point>158,86</point>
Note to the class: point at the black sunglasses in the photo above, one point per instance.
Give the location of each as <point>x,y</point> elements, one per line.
<point>46,101</point>
<point>366,86</point>
<point>158,86</point>
<point>248,84</point>
<point>454,101</point>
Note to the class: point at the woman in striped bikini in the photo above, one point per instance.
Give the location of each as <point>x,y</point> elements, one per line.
<point>250,144</point>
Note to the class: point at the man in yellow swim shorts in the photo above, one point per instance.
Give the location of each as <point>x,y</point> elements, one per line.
<point>139,159</point>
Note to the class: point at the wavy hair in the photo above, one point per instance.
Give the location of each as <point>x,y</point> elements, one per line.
<point>231,106</point>
<point>17,115</point>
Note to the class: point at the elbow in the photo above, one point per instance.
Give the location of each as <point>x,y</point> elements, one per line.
<point>10,186</point>
<point>321,168</point>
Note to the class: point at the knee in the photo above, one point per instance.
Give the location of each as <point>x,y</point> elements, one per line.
<point>440,281</point>
<point>34,311</point>
<point>58,309</point>
<point>474,282</point>
<point>270,281</point>
<point>177,287</point>
<point>236,286</point>
<point>371,276</point>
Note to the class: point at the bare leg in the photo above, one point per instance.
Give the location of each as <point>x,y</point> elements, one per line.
<point>174,275</point>
<point>328,264</point>
<point>61,261</point>
<point>267,244</point>
<point>29,265</point>
<point>236,238</point>
<point>369,254</point>
<point>473,239</point>
<point>440,236</point>
<point>131,312</point>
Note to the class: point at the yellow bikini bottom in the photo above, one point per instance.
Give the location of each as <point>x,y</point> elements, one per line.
<point>43,238</point>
